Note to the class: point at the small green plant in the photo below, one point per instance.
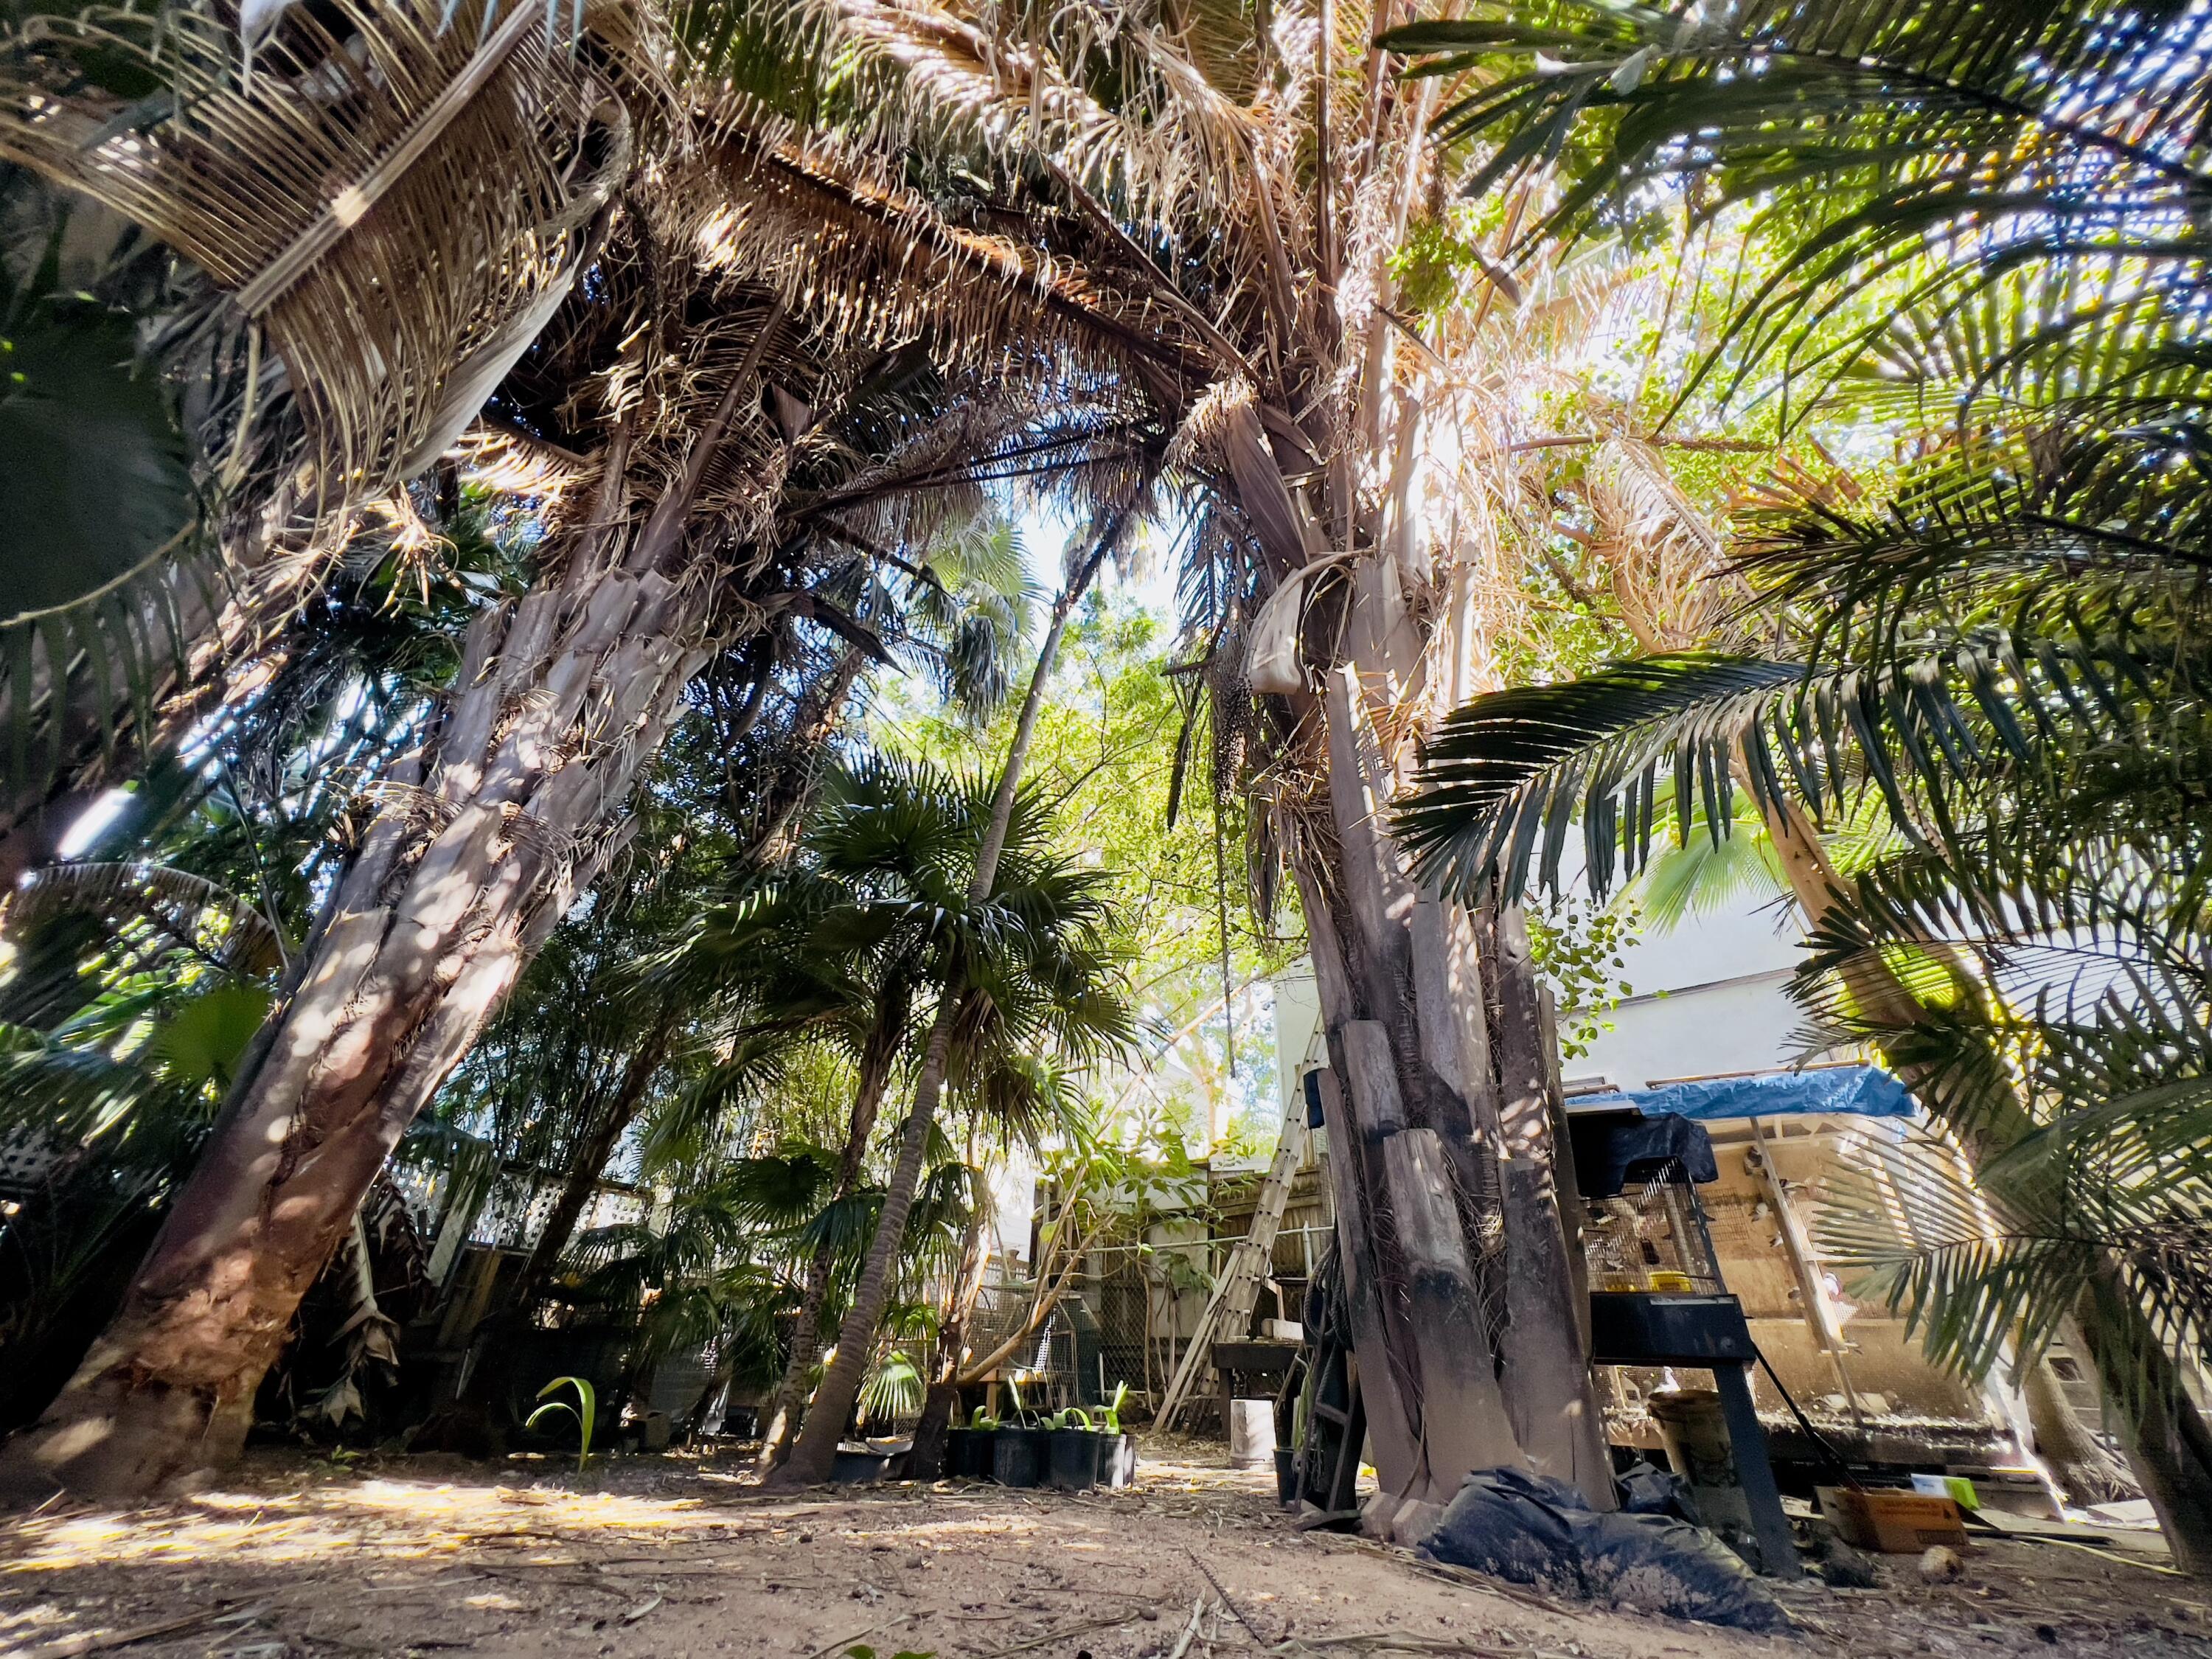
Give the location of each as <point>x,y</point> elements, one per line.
<point>1070,1417</point>
<point>1110,1414</point>
<point>1014,1389</point>
<point>985,1421</point>
<point>586,1411</point>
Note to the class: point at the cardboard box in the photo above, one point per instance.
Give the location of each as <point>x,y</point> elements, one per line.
<point>1891,1522</point>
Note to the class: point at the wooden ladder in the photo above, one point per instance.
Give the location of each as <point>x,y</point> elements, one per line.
<point>1234,1292</point>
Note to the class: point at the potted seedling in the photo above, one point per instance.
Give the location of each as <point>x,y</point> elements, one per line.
<point>983,1431</point>
<point>1019,1458</point>
<point>1117,1452</point>
<point>1073,1458</point>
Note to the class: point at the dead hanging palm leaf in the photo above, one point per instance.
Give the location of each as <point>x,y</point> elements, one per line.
<point>1665,557</point>
<point>395,205</point>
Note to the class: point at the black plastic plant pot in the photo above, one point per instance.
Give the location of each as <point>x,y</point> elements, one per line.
<point>1018,1458</point>
<point>1286,1473</point>
<point>982,1454</point>
<point>1117,1459</point>
<point>1075,1459</point>
<point>957,1453</point>
<point>859,1468</point>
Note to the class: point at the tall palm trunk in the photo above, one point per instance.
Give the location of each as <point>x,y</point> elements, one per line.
<point>481,842</point>
<point>876,1064</point>
<point>1462,1260</point>
<point>817,1449</point>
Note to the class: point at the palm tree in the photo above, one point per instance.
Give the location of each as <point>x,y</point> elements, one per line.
<point>1991,221</point>
<point>1012,951</point>
<point>1207,209</point>
<point>775,440</point>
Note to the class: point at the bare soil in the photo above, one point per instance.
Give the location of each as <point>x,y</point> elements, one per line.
<point>674,1557</point>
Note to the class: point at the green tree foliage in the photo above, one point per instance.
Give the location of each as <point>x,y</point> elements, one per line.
<point>1119,752</point>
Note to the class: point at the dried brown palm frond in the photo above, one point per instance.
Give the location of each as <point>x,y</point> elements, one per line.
<point>387,209</point>
<point>847,242</point>
<point>338,197</point>
<point>1174,146</point>
<point>1664,556</point>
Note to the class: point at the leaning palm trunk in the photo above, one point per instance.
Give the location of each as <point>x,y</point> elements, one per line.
<point>806,1340</point>
<point>2167,1438</point>
<point>480,845</point>
<point>2169,1449</point>
<point>817,1448</point>
<point>926,1459</point>
<point>481,842</point>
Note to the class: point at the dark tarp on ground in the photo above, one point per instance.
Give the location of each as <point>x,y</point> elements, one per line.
<point>1535,1530</point>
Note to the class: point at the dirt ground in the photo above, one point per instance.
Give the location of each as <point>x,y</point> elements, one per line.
<point>674,1557</point>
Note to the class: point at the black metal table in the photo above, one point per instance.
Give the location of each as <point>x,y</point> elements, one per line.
<point>1651,1328</point>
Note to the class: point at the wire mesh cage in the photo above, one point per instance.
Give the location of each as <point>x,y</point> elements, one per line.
<point>1651,1236</point>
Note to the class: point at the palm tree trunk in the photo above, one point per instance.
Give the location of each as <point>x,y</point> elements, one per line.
<point>806,1340</point>
<point>477,851</point>
<point>481,842</point>
<point>817,1449</point>
<point>817,1446</point>
<point>1441,1094</point>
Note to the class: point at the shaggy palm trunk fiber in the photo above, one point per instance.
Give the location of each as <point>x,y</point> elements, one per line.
<point>479,844</point>
<point>1459,1223</point>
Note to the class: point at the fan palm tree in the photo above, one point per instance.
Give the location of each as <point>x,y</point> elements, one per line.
<point>1987,239</point>
<point>1205,205</point>
<point>1016,961</point>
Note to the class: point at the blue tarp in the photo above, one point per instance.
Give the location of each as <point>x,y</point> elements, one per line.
<point>1864,1090</point>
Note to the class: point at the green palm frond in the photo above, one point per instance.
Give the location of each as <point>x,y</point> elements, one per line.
<point>1505,778</point>
<point>1702,875</point>
<point>1934,147</point>
<point>893,1388</point>
<point>1987,1270</point>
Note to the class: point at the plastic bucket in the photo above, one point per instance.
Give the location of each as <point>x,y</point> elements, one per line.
<point>1117,1459</point>
<point>1075,1459</point>
<point>1252,1433</point>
